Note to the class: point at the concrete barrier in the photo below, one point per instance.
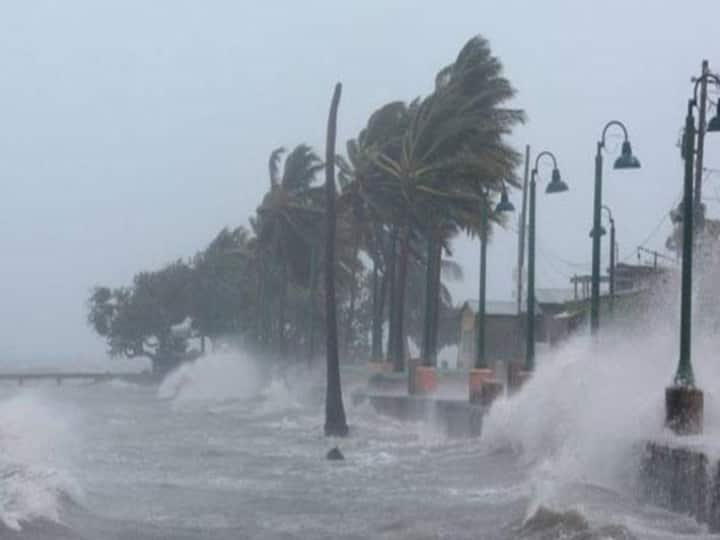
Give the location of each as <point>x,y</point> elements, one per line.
<point>682,477</point>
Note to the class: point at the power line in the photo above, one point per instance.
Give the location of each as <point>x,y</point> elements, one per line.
<point>665,215</point>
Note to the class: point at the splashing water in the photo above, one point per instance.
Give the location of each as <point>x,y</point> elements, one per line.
<point>214,378</point>
<point>33,437</point>
<point>586,412</point>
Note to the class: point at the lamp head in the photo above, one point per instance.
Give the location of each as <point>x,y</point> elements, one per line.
<point>627,160</point>
<point>556,185</point>
<point>603,231</point>
<point>714,124</point>
<point>504,205</point>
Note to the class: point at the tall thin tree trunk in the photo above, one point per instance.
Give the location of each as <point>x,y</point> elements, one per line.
<point>311,304</point>
<point>384,283</point>
<point>282,304</point>
<point>335,422</point>
<point>436,285</point>
<point>349,321</point>
<point>377,303</point>
<point>398,340</point>
<point>392,276</point>
<point>427,299</point>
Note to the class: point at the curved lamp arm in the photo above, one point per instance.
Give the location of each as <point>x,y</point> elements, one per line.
<point>610,124</point>
<point>609,213</point>
<point>704,77</point>
<point>545,153</point>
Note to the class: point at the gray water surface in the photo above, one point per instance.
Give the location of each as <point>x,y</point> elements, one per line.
<point>152,468</point>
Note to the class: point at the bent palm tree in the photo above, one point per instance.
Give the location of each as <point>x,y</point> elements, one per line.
<point>452,150</point>
<point>335,422</point>
<point>287,223</point>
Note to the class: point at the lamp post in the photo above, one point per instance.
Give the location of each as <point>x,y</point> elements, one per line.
<point>626,161</point>
<point>481,373</point>
<point>684,401</point>
<point>556,185</point>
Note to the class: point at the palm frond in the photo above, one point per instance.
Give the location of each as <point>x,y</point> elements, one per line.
<point>274,165</point>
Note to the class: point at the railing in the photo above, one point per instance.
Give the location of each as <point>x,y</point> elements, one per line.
<point>21,377</point>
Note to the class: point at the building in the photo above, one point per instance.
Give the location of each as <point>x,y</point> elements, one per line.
<point>505,328</point>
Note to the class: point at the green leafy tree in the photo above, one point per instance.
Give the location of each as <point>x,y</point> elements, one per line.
<point>142,320</point>
<point>223,297</point>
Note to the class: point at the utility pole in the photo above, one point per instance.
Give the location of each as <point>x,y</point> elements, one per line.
<point>521,231</point>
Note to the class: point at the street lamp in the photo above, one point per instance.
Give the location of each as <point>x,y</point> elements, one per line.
<point>683,401</point>
<point>626,160</point>
<point>481,373</point>
<point>556,185</point>
<point>611,269</point>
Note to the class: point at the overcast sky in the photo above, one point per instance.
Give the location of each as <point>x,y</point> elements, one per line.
<point>132,131</point>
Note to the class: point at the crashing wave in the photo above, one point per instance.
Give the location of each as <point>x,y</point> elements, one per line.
<point>212,379</point>
<point>32,487</point>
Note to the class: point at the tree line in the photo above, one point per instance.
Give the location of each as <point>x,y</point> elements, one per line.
<point>416,176</point>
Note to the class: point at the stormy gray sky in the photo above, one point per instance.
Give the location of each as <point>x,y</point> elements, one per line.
<point>132,131</point>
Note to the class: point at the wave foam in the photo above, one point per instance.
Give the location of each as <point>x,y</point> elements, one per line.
<point>211,379</point>
<point>585,413</point>
<point>32,437</point>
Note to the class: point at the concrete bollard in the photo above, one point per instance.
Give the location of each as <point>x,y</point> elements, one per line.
<point>476,378</point>
<point>425,380</point>
<point>684,409</point>
<point>412,365</point>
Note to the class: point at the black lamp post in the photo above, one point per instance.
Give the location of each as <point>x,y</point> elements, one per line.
<point>626,160</point>
<point>556,185</point>
<point>683,401</point>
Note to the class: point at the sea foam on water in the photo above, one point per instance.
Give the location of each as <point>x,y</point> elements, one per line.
<point>586,413</point>
<point>216,377</point>
<point>34,438</point>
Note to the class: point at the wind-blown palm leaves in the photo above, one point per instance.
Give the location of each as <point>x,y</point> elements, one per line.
<point>451,151</point>
<point>288,223</point>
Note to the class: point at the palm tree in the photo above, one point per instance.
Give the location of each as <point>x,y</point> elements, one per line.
<point>335,422</point>
<point>452,148</point>
<point>287,224</point>
<point>368,213</point>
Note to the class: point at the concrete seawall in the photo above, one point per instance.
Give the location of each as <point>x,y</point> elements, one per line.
<point>454,418</point>
<point>683,477</point>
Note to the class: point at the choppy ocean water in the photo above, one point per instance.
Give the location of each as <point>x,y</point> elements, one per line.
<point>226,451</point>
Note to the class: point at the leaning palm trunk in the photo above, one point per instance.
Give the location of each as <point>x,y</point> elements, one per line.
<point>436,256</point>
<point>429,304</point>
<point>350,320</point>
<point>335,422</point>
<point>311,305</point>
<point>398,353</point>
<point>378,286</point>
<point>282,305</point>
<point>392,280</point>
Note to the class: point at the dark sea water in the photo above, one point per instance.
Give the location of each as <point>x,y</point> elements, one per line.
<point>223,452</point>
